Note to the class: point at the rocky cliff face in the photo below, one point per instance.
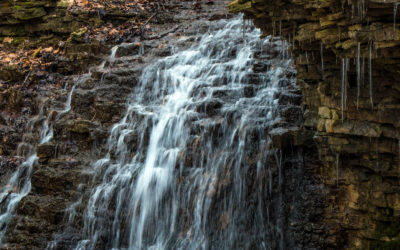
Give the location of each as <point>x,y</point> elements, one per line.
<point>347,153</point>
<point>30,96</point>
<point>347,58</point>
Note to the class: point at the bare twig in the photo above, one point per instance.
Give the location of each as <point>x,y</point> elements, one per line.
<point>26,78</point>
<point>163,34</point>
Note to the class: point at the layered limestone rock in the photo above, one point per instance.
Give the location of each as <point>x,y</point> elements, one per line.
<point>28,23</point>
<point>347,55</point>
<point>21,19</point>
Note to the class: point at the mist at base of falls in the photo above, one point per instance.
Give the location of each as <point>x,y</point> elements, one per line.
<point>192,165</point>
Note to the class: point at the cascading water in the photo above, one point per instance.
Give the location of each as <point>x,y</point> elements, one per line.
<point>19,184</point>
<point>192,150</point>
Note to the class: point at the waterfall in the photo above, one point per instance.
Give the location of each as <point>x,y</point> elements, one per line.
<point>19,184</point>
<point>193,149</point>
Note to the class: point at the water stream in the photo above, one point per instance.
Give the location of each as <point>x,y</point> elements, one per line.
<point>19,184</point>
<point>192,150</point>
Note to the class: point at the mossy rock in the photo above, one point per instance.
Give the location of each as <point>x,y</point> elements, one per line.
<point>64,3</point>
<point>77,36</point>
<point>12,30</point>
<point>239,5</point>
<point>389,229</point>
<point>96,22</point>
<point>17,41</point>
<point>45,151</point>
<point>29,14</point>
<point>385,245</point>
<point>386,236</point>
<point>11,73</point>
<point>32,4</point>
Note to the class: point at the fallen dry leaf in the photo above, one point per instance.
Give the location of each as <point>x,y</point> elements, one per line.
<point>47,50</point>
<point>8,40</point>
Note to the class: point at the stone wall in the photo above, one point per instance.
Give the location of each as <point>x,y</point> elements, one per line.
<point>347,57</point>
<point>21,20</point>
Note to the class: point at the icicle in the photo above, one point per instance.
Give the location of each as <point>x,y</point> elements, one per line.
<point>377,153</point>
<point>141,50</point>
<point>322,59</point>
<point>363,71</point>
<point>337,169</point>
<point>343,87</point>
<point>307,62</point>
<point>394,19</point>
<point>358,74</point>
<point>363,10</point>
<point>345,83</point>
<point>399,157</point>
<point>370,75</point>
<point>273,28</point>
<point>399,149</point>
<point>345,68</point>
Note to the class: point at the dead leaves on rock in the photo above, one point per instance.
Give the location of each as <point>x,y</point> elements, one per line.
<point>8,40</point>
<point>26,59</point>
<point>117,27</point>
<point>121,5</point>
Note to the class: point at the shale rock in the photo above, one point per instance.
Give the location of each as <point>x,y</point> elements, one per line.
<point>347,58</point>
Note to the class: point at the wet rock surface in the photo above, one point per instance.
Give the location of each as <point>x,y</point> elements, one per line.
<point>296,198</point>
<point>97,102</point>
<point>346,58</point>
<point>335,183</point>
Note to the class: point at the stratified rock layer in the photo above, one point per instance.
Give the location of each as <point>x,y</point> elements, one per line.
<point>347,56</point>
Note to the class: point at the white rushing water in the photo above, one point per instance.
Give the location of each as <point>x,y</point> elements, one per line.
<point>19,184</point>
<point>175,175</point>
